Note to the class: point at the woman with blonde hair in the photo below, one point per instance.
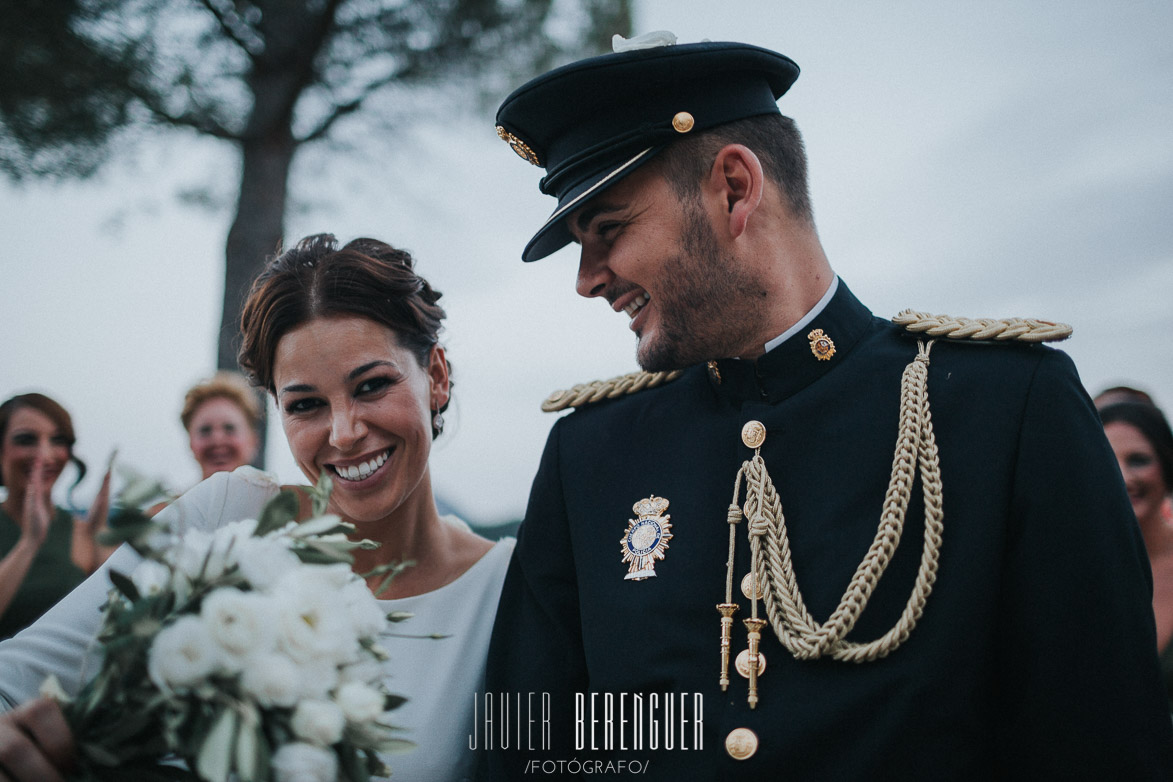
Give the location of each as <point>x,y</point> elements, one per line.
<point>221,416</point>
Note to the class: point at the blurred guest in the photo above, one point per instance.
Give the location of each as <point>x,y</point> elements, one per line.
<point>46,551</point>
<point>1110,396</point>
<point>1143,443</point>
<point>221,416</point>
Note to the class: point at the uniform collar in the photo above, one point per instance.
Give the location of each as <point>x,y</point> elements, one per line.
<point>807,318</point>
<point>792,365</point>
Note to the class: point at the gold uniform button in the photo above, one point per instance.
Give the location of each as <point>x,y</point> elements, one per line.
<point>741,743</point>
<point>683,122</point>
<point>753,434</point>
<point>742,663</point>
<point>747,587</point>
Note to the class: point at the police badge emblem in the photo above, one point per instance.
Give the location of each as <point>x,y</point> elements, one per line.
<point>646,538</point>
<point>821,345</point>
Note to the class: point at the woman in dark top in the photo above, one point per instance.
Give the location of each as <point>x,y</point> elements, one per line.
<point>1143,443</point>
<point>44,551</point>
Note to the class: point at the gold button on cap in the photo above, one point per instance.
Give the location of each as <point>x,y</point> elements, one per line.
<point>742,663</point>
<point>683,122</point>
<point>747,585</point>
<point>741,743</point>
<point>753,434</point>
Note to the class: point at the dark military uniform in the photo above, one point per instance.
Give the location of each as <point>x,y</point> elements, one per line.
<point>1034,658</point>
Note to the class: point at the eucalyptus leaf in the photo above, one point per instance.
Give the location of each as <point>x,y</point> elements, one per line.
<point>249,746</point>
<point>320,525</point>
<point>392,745</point>
<point>352,765</point>
<point>139,490</point>
<point>375,765</point>
<point>313,556</point>
<point>329,550</point>
<point>127,525</point>
<point>278,512</point>
<point>395,569</point>
<point>124,585</point>
<point>215,757</point>
<point>320,494</point>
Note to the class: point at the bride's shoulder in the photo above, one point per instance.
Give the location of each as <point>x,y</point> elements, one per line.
<point>222,497</point>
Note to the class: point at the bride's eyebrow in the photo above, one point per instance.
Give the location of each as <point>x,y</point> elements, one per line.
<point>357,372</point>
<point>360,371</point>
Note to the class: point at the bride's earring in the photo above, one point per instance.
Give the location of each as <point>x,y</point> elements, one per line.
<point>437,423</point>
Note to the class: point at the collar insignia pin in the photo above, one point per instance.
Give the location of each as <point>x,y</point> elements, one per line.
<point>821,345</point>
<point>646,538</point>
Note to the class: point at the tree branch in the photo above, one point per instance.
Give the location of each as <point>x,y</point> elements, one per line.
<point>229,31</point>
<point>343,109</point>
<point>203,122</point>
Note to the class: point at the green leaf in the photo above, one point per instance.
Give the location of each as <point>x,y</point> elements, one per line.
<point>139,491</point>
<point>392,569</point>
<point>391,745</point>
<point>321,525</point>
<point>252,752</point>
<point>215,757</point>
<point>352,765</point>
<point>278,512</point>
<point>127,525</point>
<point>311,556</point>
<point>320,494</point>
<point>124,585</point>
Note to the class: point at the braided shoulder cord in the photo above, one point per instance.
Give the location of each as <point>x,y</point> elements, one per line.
<point>804,637</point>
<point>1020,329</point>
<point>584,393</point>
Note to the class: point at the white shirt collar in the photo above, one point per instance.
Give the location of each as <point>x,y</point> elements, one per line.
<point>807,318</point>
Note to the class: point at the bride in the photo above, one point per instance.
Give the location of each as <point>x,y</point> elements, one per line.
<point>346,341</point>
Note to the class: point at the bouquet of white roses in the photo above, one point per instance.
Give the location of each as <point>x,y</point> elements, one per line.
<point>247,653</point>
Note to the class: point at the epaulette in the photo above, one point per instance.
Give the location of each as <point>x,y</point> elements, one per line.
<point>585,393</point>
<point>998,329</point>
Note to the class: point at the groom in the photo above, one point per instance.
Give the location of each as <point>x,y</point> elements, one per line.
<point>829,545</point>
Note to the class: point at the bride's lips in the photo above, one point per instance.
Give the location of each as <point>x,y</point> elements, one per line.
<point>358,472</point>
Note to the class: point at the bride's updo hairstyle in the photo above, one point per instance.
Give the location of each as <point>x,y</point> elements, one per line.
<point>315,278</point>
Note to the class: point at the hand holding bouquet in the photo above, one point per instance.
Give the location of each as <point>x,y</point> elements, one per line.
<point>247,653</point>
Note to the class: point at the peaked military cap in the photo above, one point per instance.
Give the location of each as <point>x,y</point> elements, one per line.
<point>592,122</point>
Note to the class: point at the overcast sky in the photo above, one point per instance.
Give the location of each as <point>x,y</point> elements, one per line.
<point>985,159</point>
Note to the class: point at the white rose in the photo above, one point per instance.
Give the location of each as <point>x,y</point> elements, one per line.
<point>367,618</point>
<point>190,555</point>
<point>318,722</point>
<point>241,623</point>
<point>200,555</point>
<point>151,577</point>
<point>227,542</point>
<point>298,762</point>
<point>314,623</point>
<point>316,678</point>
<point>359,702</point>
<point>366,670</point>
<point>263,561</point>
<point>271,679</point>
<point>182,655</point>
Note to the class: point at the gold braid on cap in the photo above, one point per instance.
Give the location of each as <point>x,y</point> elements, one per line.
<point>1003,329</point>
<point>596,390</point>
